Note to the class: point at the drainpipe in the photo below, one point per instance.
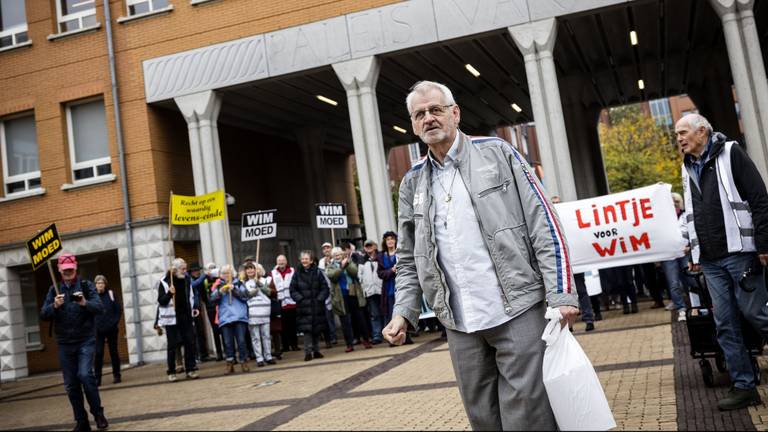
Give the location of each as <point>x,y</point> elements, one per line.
<point>124,187</point>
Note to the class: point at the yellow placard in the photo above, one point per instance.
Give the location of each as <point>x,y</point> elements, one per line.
<point>193,210</point>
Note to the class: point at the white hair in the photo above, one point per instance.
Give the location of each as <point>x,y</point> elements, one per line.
<point>422,87</point>
<point>227,268</point>
<point>696,121</point>
<point>178,263</point>
<point>336,250</point>
<point>210,266</point>
<point>676,197</point>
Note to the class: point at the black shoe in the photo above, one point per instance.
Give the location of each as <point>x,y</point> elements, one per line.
<point>271,361</point>
<point>307,357</point>
<point>260,364</point>
<point>598,316</point>
<point>590,326</point>
<point>626,310</point>
<point>376,341</point>
<point>219,358</point>
<point>318,355</point>
<point>82,427</point>
<point>739,398</point>
<point>408,340</point>
<point>101,421</point>
<point>634,308</point>
<point>117,380</point>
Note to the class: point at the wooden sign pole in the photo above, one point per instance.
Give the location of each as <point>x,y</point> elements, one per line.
<point>333,237</point>
<point>258,250</point>
<point>53,277</point>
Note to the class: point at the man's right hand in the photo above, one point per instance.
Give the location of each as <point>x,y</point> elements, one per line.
<point>694,268</point>
<point>58,301</point>
<point>394,332</point>
<point>172,289</point>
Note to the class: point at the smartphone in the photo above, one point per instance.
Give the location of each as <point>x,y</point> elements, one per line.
<point>77,296</point>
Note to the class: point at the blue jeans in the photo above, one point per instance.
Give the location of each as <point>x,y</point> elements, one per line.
<point>390,307</point>
<point>374,309</point>
<point>76,361</point>
<point>728,299</point>
<point>673,271</point>
<point>235,332</point>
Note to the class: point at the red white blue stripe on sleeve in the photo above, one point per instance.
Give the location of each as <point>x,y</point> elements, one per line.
<point>561,252</point>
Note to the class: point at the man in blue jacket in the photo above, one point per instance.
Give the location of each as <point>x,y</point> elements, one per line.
<point>72,311</point>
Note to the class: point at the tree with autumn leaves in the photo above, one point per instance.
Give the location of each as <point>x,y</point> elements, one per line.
<point>637,151</point>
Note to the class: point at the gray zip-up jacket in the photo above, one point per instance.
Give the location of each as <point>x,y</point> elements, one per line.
<point>519,225</point>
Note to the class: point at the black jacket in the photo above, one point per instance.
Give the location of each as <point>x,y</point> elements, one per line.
<point>109,320</point>
<point>309,290</point>
<point>707,210</point>
<point>73,323</point>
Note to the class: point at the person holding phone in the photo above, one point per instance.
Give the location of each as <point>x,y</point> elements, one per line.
<point>72,310</point>
<point>107,329</point>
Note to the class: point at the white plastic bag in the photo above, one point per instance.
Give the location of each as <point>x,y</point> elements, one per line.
<point>574,391</point>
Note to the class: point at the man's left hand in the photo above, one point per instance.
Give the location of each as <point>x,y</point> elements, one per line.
<point>569,314</point>
<point>763,259</point>
<point>82,301</point>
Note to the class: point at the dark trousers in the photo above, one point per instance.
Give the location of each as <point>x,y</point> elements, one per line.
<point>181,335</point>
<point>587,314</point>
<point>76,361</point>
<point>202,346</point>
<point>211,310</point>
<point>290,340</point>
<point>652,282</point>
<point>311,342</point>
<point>111,339</point>
<point>352,323</point>
<point>235,333</point>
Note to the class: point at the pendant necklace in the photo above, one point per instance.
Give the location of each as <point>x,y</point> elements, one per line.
<point>448,196</point>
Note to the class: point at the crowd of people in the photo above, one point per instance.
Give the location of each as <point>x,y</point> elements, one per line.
<point>257,315</point>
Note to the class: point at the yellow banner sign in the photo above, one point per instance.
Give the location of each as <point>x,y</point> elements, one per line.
<point>193,210</point>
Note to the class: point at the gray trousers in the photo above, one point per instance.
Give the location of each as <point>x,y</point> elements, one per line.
<point>499,373</point>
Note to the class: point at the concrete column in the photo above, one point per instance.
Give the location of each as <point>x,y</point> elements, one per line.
<point>311,145</point>
<point>359,79</point>
<point>746,72</point>
<point>755,64</point>
<point>201,110</point>
<point>536,41</point>
<point>13,348</point>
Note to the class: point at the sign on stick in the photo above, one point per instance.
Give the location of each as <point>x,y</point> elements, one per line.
<point>331,215</point>
<point>259,225</point>
<point>43,246</point>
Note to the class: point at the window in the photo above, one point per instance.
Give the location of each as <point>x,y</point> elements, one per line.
<point>31,310</point>
<point>76,14</point>
<point>661,112</point>
<point>18,142</point>
<point>88,145</point>
<point>13,23</point>
<point>138,7</point>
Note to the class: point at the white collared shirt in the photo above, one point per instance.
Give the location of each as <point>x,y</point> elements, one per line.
<point>462,254</point>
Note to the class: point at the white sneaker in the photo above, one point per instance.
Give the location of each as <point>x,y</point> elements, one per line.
<point>670,306</point>
<point>172,377</point>
<point>681,315</point>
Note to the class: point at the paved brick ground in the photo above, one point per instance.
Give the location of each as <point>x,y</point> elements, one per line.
<point>642,361</point>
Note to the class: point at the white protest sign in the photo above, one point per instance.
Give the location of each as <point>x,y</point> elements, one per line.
<point>331,215</point>
<point>632,227</point>
<point>259,225</point>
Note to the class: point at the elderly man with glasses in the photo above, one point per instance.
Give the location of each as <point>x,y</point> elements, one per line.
<point>481,242</point>
<point>72,308</point>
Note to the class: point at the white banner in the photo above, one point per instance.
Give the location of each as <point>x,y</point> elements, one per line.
<point>632,227</point>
